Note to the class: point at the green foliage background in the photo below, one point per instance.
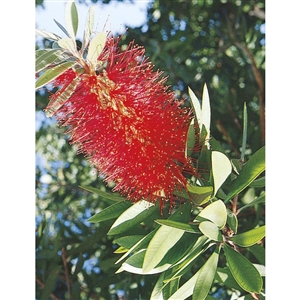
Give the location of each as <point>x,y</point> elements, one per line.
<point>220,43</point>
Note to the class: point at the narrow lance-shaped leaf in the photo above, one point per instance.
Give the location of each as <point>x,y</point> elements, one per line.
<point>171,288</point>
<point>232,220</point>
<point>243,271</point>
<point>111,197</point>
<point>89,24</point>
<point>164,239</point>
<point>179,225</point>
<point>186,262</point>
<point>196,106</point>
<point>207,270</point>
<point>134,265</point>
<point>206,276</point>
<point>48,35</point>
<point>71,18</point>
<point>53,73</point>
<point>260,199</point>
<point>250,237</point>
<point>62,28</point>
<point>128,241</point>
<point>134,215</point>
<point>190,142</point>
<point>96,46</point>
<point>111,212</point>
<point>68,44</point>
<point>48,57</point>
<point>64,95</point>
<point>221,169</point>
<point>205,116</point>
<point>141,244</point>
<point>245,128</point>
<point>157,290</point>
<point>252,169</point>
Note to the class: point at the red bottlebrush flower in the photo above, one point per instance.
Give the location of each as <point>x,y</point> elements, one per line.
<point>128,124</point>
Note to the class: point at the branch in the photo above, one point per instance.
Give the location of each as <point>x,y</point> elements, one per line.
<point>257,76</point>
<point>227,137</point>
<point>64,258</point>
<point>42,284</point>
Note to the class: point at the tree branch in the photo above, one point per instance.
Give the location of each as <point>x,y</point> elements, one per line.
<point>257,76</point>
<point>42,284</point>
<point>64,258</point>
<point>227,137</point>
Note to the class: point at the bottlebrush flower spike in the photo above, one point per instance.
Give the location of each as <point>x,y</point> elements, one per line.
<point>127,123</point>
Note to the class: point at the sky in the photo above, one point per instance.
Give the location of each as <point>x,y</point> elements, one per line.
<point>116,15</point>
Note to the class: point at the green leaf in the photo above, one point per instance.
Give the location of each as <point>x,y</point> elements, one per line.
<point>110,212</point>
<point>211,230</point>
<point>250,237</point>
<point>224,276</point>
<point>200,194</point>
<point>157,290</point>
<point>79,265</point>
<point>245,125</point>
<point>183,246</point>
<point>259,252</point>
<point>221,169</point>
<point>89,25</point>
<point>196,106</point>
<point>96,46</point>
<point>134,215</point>
<point>243,271</point>
<point>171,288</point>
<point>164,239</point>
<point>202,113</point>
<point>252,169</point>
<point>182,214</point>
<point>47,57</point>
<point>128,241</point>
<point>134,265</point>
<point>65,31</point>
<point>162,290</point>
<point>48,35</point>
<point>232,220</point>
<point>109,197</point>
<point>53,73</point>
<point>206,276</point>
<point>50,282</point>
<point>186,262</point>
<point>187,289</point>
<point>141,244</point>
<point>68,44</point>
<point>71,17</point>
<point>260,199</point>
<point>205,115</point>
<point>179,225</point>
<point>216,146</point>
<point>215,212</point>
<point>258,183</point>
<point>190,141</point>
<point>64,95</point>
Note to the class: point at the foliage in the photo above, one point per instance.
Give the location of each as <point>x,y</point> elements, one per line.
<point>207,248</point>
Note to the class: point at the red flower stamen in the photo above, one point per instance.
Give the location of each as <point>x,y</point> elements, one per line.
<point>128,124</point>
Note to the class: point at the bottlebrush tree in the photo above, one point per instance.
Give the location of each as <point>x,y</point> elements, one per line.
<point>170,175</point>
